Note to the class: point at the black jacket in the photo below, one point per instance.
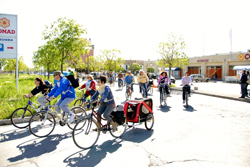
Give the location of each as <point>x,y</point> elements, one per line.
<point>243,78</point>
<point>42,88</point>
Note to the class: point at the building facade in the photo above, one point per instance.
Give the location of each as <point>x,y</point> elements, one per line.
<point>222,64</point>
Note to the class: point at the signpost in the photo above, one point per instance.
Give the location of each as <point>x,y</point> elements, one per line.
<point>8,39</point>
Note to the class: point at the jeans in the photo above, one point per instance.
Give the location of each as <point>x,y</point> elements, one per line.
<point>106,110</point>
<point>120,81</point>
<point>243,90</point>
<point>131,86</point>
<point>145,86</point>
<point>42,101</point>
<point>92,92</point>
<point>183,95</point>
<point>246,89</point>
<point>166,89</point>
<point>64,105</point>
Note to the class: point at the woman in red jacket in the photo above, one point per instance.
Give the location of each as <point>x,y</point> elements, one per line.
<point>90,86</point>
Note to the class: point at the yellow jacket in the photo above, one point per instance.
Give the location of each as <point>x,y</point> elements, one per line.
<point>142,78</point>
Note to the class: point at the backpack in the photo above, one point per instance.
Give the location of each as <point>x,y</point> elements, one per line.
<point>73,82</point>
<point>49,85</point>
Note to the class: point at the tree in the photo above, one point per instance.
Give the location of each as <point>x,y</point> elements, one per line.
<point>11,65</point>
<point>171,52</point>
<point>66,34</point>
<point>150,70</point>
<point>108,56</point>
<point>134,67</point>
<point>3,62</point>
<point>95,63</point>
<point>80,64</point>
<point>47,56</point>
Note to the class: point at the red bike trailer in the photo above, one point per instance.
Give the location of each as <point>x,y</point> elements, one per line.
<point>138,111</point>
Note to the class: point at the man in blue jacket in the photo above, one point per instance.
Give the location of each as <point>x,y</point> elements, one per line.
<point>129,80</point>
<point>63,87</point>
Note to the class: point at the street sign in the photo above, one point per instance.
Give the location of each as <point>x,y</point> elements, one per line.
<point>8,39</point>
<point>8,36</point>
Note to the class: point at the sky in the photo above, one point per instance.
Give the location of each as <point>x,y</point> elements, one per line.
<point>136,27</point>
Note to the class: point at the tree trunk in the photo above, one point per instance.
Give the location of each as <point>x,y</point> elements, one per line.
<point>62,63</point>
<point>169,73</point>
<point>48,72</point>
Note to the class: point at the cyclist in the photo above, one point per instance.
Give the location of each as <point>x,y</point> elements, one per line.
<point>40,87</point>
<point>67,92</point>
<point>186,81</point>
<point>120,78</point>
<point>107,100</point>
<point>163,79</point>
<point>142,79</point>
<point>90,86</point>
<point>129,80</point>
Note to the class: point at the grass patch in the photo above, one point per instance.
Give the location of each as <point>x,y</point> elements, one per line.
<point>10,99</point>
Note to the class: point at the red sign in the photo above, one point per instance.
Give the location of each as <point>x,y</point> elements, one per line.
<point>204,60</point>
<point>247,56</point>
<point>10,47</point>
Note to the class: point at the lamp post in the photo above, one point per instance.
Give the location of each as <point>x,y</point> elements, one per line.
<point>115,67</point>
<point>88,63</point>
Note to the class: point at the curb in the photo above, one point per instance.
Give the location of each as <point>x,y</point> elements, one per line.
<point>215,95</point>
<point>5,122</point>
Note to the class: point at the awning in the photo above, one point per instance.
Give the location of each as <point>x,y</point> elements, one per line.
<point>241,68</point>
<point>173,69</point>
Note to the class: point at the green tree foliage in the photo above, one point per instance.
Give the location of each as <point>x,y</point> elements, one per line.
<point>171,52</point>
<point>150,70</point>
<point>66,35</point>
<point>3,62</point>
<point>11,65</point>
<point>109,57</point>
<point>47,56</point>
<point>95,63</point>
<point>134,67</point>
<point>80,65</point>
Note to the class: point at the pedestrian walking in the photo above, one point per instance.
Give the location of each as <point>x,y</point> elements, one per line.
<point>243,82</point>
<point>248,82</point>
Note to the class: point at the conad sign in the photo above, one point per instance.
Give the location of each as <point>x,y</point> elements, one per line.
<point>246,56</point>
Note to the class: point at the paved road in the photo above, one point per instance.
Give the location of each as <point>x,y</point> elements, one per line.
<point>211,132</point>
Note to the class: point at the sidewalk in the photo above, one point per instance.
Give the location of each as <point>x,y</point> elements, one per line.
<point>216,89</point>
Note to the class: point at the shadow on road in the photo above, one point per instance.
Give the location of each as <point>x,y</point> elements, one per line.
<point>189,108</point>
<point>32,148</point>
<point>164,108</point>
<point>94,156</point>
<point>137,135</point>
<point>14,134</point>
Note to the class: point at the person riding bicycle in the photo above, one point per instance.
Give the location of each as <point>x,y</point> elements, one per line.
<point>63,87</point>
<point>110,76</point>
<point>40,87</point>
<point>142,79</point>
<point>129,80</point>
<point>90,86</point>
<point>163,79</point>
<point>107,100</point>
<point>120,78</point>
<point>185,82</point>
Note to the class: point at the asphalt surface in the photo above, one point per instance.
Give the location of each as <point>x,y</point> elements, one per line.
<point>210,132</point>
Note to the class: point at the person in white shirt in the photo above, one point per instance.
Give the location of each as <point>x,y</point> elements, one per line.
<point>186,82</point>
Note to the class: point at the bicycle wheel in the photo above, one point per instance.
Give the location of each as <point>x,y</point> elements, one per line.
<point>186,95</point>
<point>42,124</point>
<point>80,103</point>
<point>126,95</point>
<point>121,129</point>
<point>149,123</point>
<point>80,114</point>
<point>20,117</point>
<point>86,136</point>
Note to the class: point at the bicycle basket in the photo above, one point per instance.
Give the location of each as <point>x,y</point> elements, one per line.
<point>186,88</point>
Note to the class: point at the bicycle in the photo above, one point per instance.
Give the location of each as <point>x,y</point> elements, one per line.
<point>150,87</point>
<point>120,84</point>
<point>143,91</point>
<point>43,123</point>
<point>128,93</point>
<point>21,116</point>
<point>185,89</point>
<point>162,95</point>
<point>81,101</point>
<point>86,132</point>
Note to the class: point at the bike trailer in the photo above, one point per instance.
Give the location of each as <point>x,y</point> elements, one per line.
<point>137,110</point>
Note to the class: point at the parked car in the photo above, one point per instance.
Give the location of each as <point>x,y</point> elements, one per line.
<point>199,77</point>
<point>152,75</point>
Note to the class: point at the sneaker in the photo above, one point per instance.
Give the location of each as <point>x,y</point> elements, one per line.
<point>183,101</point>
<point>114,126</point>
<point>168,95</point>
<point>72,117</point>
<point>189,95</point>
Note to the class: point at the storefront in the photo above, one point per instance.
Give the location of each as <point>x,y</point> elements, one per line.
<point>221,64</point>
